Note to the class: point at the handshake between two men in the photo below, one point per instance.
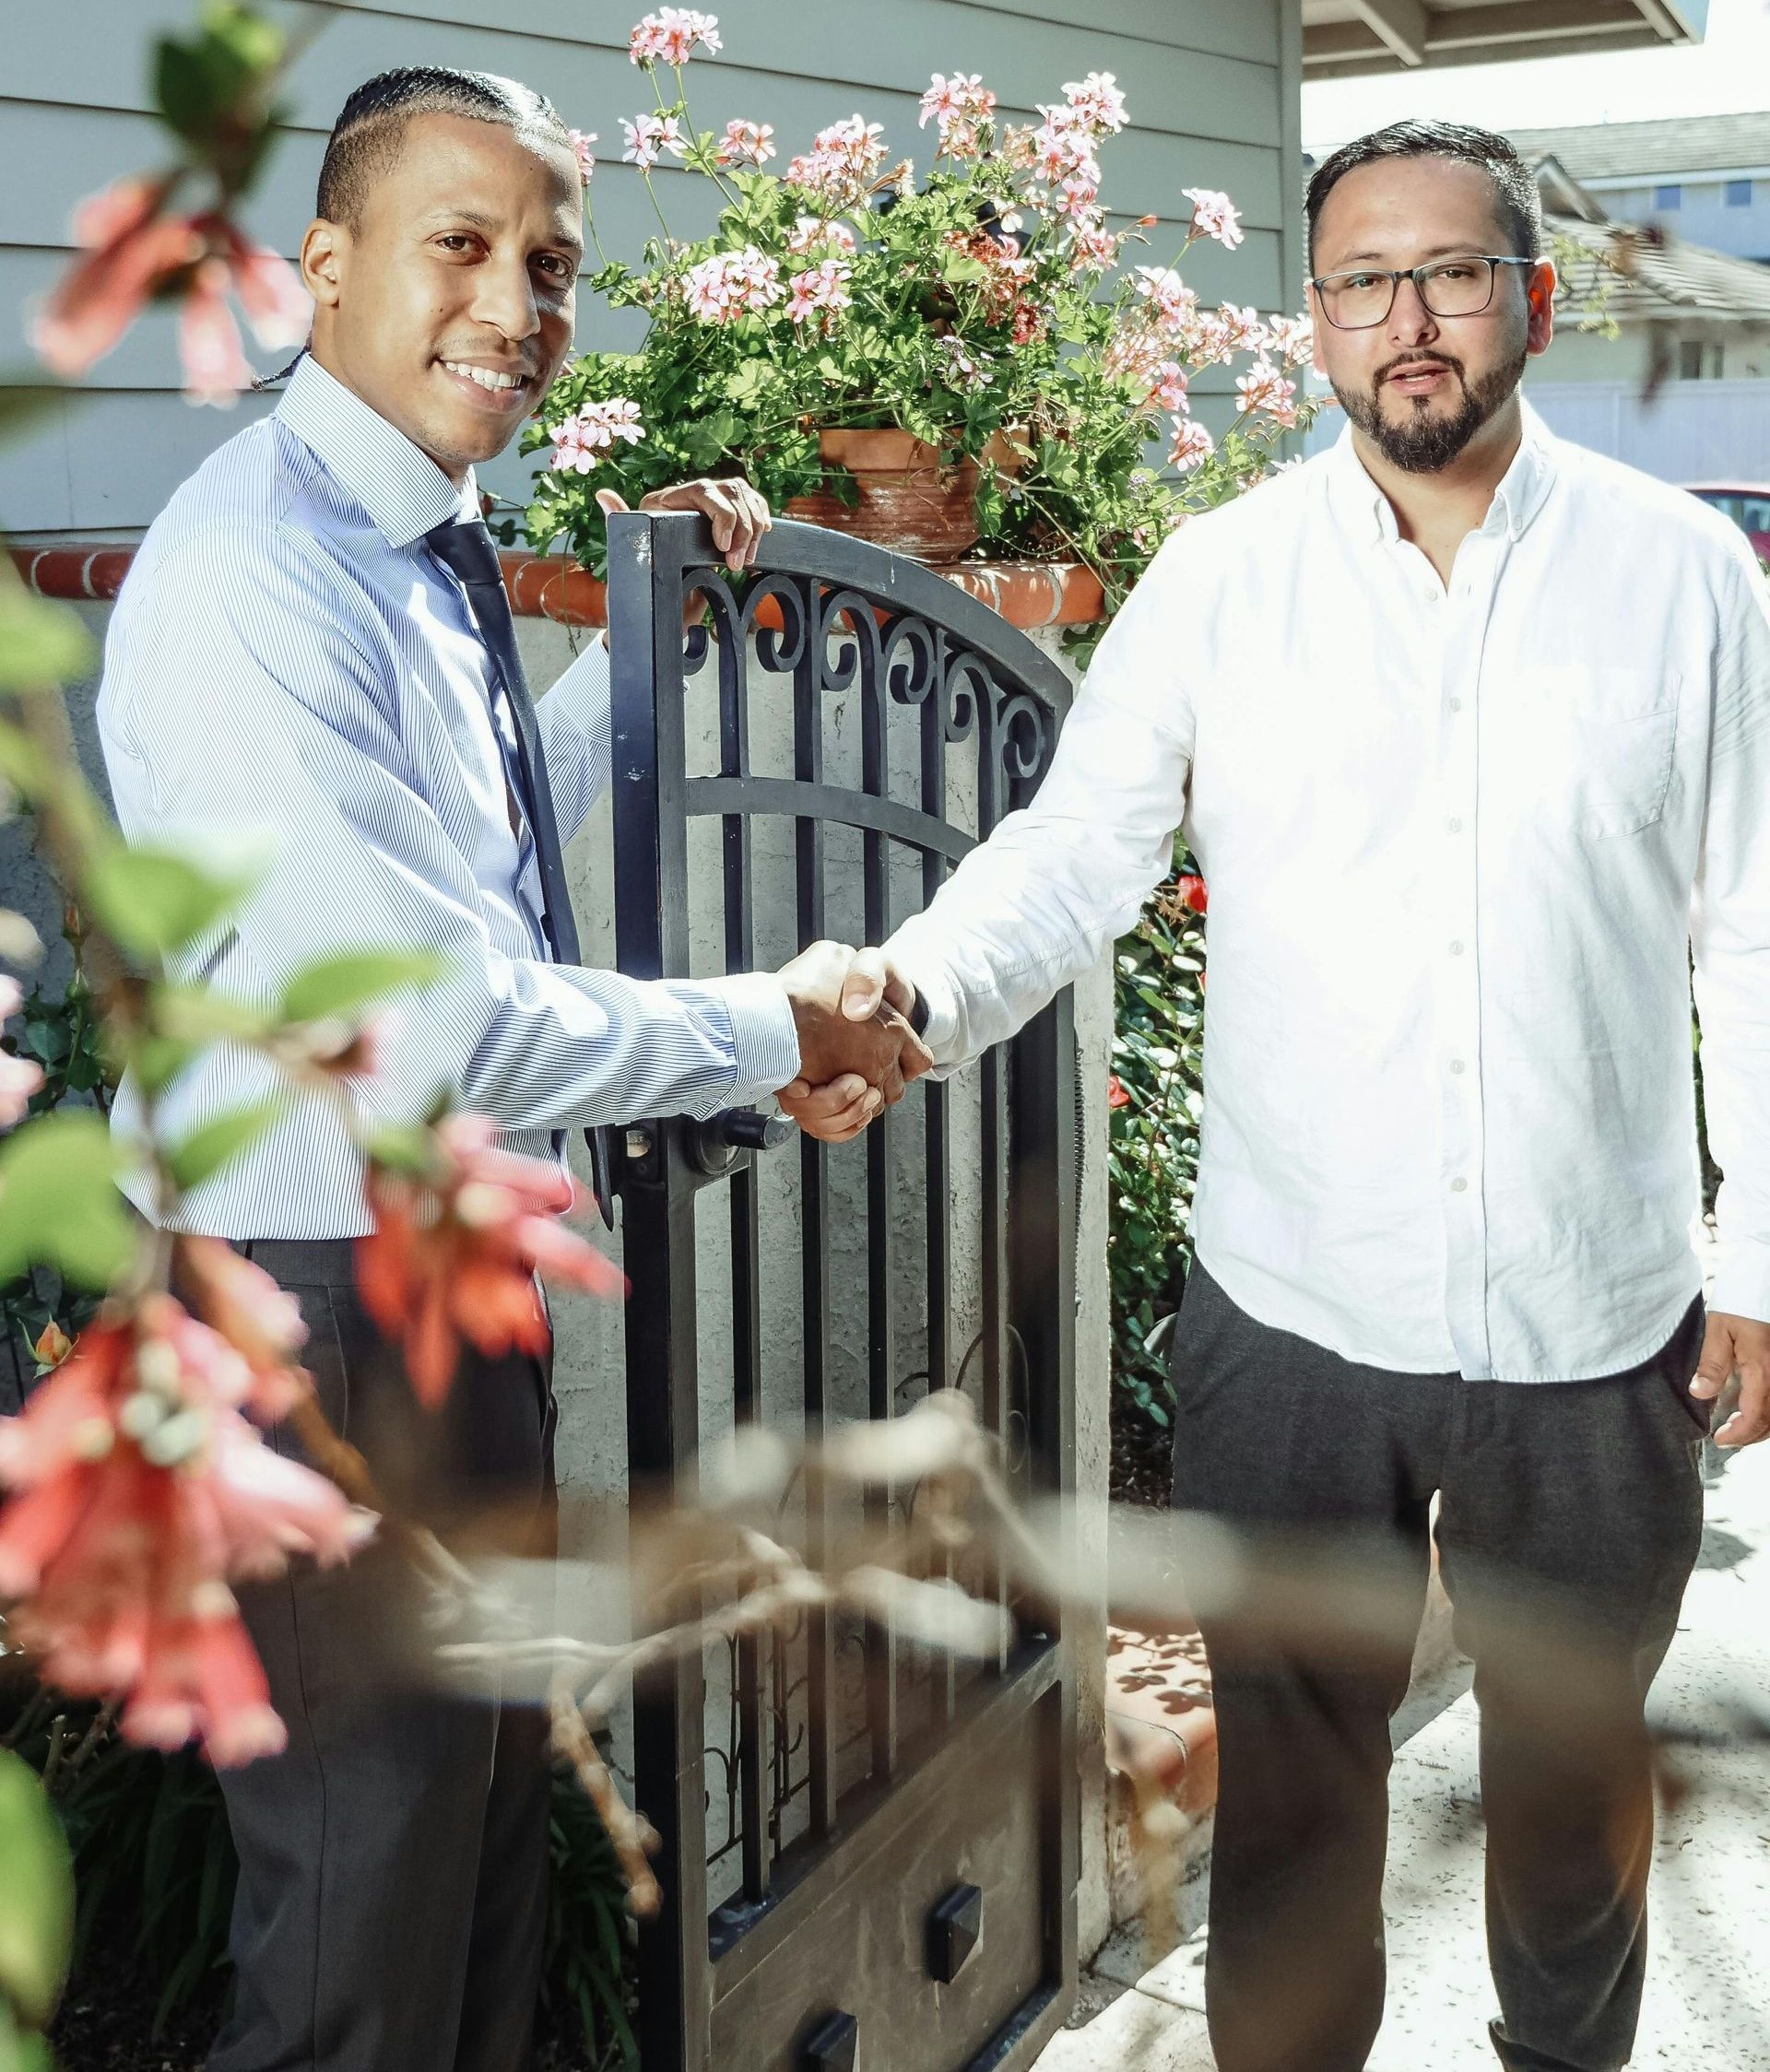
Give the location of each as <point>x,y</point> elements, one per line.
<point>857,1050</point>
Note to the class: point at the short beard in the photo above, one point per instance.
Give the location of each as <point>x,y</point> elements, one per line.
<point>1422,443</point>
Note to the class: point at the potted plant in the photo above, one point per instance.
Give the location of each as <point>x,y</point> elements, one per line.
<point>971,359</point>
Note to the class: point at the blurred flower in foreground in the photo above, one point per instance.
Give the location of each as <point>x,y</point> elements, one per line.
<point>1190,891</point>
<point>1118,1095</point>
<point>456,1251</point>
<point>135,253</point>
<point>19,1078</point>
<point>140,1490</point>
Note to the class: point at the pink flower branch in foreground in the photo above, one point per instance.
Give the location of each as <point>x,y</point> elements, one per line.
<point>140,1491</point>
<point>456,1251</point>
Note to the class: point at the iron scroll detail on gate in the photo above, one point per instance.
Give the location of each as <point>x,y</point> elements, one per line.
<point>813,759</point>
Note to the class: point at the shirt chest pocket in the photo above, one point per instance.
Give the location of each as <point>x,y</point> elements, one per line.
<point>1596,745</point>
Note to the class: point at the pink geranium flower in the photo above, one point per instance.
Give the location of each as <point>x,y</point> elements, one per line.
<point>817,233</point>
<point>747,144</point>
<point>731,284</point>
<point>137,1490</point>
<point>1264,389</point>
<point>958,106</point>
<point>819,292</point>
<point>1099,106</point>
<point>649,137</point>
<point>1193,445</point>
<point>580,142</point>
<point>454,1254</point>
<point>1291,337</point>
<point>1171,301</point>
<point>1214,216</point>
<point>840,166</point>
<point>581,440</point>
<point>668,37</point>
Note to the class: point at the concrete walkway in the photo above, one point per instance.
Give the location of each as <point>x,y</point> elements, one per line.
<point>1707,2006</point>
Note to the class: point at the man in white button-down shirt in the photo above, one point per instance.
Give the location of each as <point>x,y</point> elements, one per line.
<point>1470,730</point>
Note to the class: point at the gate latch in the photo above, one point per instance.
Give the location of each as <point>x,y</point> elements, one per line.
<point>713,1146</point>
<point>955,1928</point>
<point>832,2045</point>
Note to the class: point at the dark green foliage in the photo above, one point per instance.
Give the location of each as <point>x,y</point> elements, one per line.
<point>1157,1053</point>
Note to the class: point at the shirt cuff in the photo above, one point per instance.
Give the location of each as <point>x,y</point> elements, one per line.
<point>1742,1285</point>
<point>764,1037</point>
<point>938,1028</point>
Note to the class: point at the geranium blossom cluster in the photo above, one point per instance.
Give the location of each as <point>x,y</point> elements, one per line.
<point>20,1077</point>
<point>454,1253</point>
<point>1214,216</point>
<point>839,168</point>
<point>747,144</point>
<point>580,142</point>
<point>1264,388</point>
<point>140,1491</point>
<point>819,292</point>
<point>732,284</point>
<point>668,37</point>
<point>136,252</point>
<point>813,234</point>
<point>649,137</point>
<point>960,107</point>
<point>581,440</point>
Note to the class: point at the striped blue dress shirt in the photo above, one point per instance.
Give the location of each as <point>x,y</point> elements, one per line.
<point>290,674</point>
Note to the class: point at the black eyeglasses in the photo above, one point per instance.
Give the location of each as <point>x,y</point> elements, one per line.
<point>1362,299</point>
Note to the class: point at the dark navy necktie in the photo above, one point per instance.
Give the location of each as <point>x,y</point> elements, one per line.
<point>467,550</point>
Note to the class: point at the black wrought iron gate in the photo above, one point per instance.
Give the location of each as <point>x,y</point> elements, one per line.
<point>868,1851</point>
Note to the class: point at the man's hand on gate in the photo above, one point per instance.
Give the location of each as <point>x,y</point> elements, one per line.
<point>1741,1343</point>
<point>851,1065</point>
<point>740,514</point>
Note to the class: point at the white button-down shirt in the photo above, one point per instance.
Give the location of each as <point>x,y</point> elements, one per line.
<point>1459,841</point>
<point>288,663</point>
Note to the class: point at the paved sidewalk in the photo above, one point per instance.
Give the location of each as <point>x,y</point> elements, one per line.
<point>1707,2006</point>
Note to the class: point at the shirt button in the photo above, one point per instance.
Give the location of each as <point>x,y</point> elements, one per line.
<point>1455,704</point>
<point>1455,827</point>
<point>1455,949</point>
<point>1460,1186</point>
<point>1457,1065</point>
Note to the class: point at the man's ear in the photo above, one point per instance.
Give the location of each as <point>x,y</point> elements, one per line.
<point>324,250</point>
<point>1540,296</point>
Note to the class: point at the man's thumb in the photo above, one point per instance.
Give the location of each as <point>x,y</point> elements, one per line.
<point>862,989</point>
<point>610,502</point>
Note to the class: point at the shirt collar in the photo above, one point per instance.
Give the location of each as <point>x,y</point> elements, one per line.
<point>1521,493</point>
<point>402,490</point>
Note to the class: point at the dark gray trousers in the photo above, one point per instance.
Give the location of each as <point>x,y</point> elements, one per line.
<point>392,1902</point>
<point>1570,1515</point>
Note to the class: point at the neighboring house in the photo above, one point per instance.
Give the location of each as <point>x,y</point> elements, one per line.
<point>1342,38</point>
<point>1705,179</point>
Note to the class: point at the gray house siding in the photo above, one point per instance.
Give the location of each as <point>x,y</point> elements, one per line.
<point>1213,93</point>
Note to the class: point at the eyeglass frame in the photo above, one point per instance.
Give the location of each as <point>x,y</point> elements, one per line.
<point>1394,276</point>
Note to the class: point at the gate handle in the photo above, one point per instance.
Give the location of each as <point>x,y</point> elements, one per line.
<point>714,1146</point>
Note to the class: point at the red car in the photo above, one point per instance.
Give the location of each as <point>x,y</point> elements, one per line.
<point>1747,503</point>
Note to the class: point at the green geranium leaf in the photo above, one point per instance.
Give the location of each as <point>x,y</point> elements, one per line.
<point>153,901</point>
<point>36,1901</point>
<point>206,1150</point>
<point>338,985</point>
<point>59,1204</point>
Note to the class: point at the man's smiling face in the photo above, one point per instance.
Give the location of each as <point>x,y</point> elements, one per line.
<point>1418,386</point>
<point>448,304</point>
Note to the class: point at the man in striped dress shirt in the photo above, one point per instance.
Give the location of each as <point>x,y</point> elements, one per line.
<point>299,651</point>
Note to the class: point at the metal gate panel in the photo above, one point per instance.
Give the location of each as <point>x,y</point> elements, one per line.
<point>820,1794</point>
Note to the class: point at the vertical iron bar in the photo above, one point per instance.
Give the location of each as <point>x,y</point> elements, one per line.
<point>883,1695</point>
<point>746,1250</point>
<point>937,1126</point>
<point>995,1148</point>
<point>814,1243</point>
<point>663,1407</point>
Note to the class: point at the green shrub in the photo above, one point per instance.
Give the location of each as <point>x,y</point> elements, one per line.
<point>1153,1161</point>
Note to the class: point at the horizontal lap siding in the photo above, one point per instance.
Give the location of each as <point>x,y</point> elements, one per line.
<point>1213,93</point>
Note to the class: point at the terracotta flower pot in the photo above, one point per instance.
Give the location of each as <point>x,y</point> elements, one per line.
<point>908,501</point>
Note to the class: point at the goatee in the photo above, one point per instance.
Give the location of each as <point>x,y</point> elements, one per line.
<point>1423,441</point>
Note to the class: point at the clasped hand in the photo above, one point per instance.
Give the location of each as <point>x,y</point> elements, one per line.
<point>858,1052</point>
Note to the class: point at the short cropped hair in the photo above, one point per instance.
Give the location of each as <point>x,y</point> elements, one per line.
<point>1515,185</point>
<point>366,137</point>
